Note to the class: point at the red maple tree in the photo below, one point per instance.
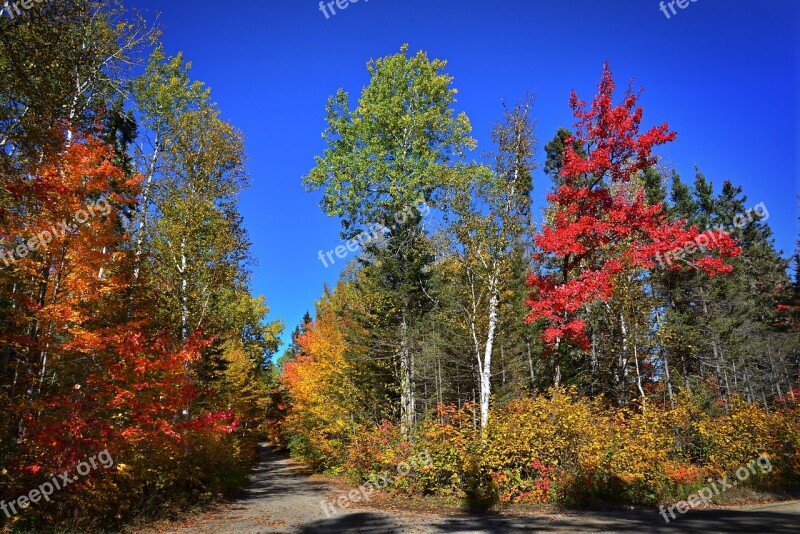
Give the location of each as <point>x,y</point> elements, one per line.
<point>90,376</point>
<point>600,223</point>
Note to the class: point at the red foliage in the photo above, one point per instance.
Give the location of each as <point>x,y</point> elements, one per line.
<point>92,379</point>
<point>600,225</point>
<point>790,399</point>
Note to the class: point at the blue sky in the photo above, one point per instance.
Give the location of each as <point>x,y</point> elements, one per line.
<point>723,73</point>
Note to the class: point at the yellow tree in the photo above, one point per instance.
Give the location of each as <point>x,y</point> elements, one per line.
<point>322,387</point>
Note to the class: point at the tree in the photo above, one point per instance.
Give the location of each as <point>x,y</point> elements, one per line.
<point>162,95</point>
<point>555,150</point>
<point>294,347</point>
<point>85,378</point>
<point>62,67</point>
<point>383,157</point>
<point>600,234</point>
<point>489,220</point>
<point>327,399</point>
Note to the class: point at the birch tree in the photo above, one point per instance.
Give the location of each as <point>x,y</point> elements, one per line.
<point>489,221</point>
<point>384,156</point>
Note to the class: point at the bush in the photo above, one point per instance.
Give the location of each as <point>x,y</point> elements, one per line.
<point>564,449</point>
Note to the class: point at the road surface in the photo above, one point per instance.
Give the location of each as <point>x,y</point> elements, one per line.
<point>282,497</point>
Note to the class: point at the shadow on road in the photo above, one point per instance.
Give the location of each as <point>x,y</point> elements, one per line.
<point>276,476</point>
<point>716,521</point>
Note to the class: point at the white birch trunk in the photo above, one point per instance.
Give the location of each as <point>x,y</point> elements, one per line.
<point>486,365</point>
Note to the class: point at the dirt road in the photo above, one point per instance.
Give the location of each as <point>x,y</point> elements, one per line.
<point>282,497</point>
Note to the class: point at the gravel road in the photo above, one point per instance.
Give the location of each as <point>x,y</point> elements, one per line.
<point>282,497</point>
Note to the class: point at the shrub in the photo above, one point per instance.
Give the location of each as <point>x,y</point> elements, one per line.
<point>561,448</point>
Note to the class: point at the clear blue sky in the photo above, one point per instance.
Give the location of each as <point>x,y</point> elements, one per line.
<point>723,73</point>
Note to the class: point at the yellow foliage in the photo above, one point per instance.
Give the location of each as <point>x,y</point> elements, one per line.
<point>322,392</point>
<point>563,447</point>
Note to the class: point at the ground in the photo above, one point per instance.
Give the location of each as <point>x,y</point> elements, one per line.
<point>282,496</point>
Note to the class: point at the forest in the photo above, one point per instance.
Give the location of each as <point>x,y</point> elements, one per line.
<point>126,320</point>
<point>615,334</point>
<point>639,338</point>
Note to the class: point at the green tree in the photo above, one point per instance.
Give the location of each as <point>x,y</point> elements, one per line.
<point>384,157</point>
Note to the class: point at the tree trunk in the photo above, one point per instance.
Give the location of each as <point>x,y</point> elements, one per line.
<point>407,404</point>
<point>184,297</point>
<point>622,362</point>
<point>486,366</point>
<point>669,381</point>
<point>142,209</point>
<point>530,365</point>
<point>557,364</point>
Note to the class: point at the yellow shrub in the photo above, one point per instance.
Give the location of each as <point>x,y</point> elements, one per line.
<point>560,447</point>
